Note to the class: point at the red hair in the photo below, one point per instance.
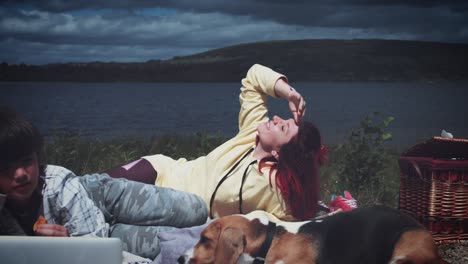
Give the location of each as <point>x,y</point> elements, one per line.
<point>297,171</point>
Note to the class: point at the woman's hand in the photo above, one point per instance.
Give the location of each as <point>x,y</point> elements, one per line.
<point>296,104</point>
<point>51,230</point>
<point>295,100</point>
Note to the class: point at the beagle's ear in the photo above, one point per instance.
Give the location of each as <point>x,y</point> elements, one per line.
<point>230,247</point>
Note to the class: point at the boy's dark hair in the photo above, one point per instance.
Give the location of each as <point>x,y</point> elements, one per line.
<point>18,137</point>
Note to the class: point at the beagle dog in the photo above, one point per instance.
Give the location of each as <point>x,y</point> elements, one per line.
<point>365,235</point>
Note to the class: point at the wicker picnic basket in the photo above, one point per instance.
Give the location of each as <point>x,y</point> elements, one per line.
<point>434,187</point>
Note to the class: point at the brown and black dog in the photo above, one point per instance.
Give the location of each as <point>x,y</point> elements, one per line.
<point>365,235</point>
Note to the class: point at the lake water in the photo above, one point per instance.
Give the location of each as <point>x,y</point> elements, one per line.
<point>106,110</point>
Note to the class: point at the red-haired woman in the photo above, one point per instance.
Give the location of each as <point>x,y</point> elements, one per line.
<point>270,165</point>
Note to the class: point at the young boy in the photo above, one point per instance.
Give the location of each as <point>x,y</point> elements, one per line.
<point>89,205</point>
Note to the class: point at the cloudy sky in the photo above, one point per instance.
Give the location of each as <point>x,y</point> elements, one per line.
<point>50,31</point>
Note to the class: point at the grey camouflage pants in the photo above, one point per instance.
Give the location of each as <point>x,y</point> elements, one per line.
<point>137,212</point>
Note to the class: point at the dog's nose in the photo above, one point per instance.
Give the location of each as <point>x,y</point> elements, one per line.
<point>181,260</point>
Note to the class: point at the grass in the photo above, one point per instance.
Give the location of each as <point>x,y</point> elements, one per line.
<point>361,164</point>
<point>82,155</point>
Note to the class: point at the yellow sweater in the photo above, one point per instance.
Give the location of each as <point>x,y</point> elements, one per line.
<point>201,176</point>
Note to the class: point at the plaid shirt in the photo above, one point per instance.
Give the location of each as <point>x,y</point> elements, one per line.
<point>66,202</point>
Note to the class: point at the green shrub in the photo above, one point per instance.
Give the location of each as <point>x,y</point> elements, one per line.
<point>363,165</point>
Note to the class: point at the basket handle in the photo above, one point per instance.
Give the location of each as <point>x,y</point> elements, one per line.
<point>418,170</point>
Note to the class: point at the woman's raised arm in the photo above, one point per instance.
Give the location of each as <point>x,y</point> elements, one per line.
<point>295,99</point>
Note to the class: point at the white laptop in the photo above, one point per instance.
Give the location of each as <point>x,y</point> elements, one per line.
<point>57,250</point>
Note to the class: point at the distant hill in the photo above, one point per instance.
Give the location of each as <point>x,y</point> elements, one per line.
<point>300,60</point>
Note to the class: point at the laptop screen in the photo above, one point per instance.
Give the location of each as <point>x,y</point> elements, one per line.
<point>55,250</point>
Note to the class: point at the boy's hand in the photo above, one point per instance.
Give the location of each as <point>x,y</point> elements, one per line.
<point>51,230</point>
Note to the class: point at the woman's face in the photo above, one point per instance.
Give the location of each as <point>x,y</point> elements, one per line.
<point>19,180</point>
<point>276,132</point>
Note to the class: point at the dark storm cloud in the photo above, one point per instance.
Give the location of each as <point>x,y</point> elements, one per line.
<point>38,37</point>
<point>294,11</point>
<point>413,17</point>
<point>140,30</point>
<point>132,29</point>
<point>407,16</point>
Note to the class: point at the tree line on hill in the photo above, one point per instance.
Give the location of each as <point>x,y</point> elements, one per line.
<point>301,60</point>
